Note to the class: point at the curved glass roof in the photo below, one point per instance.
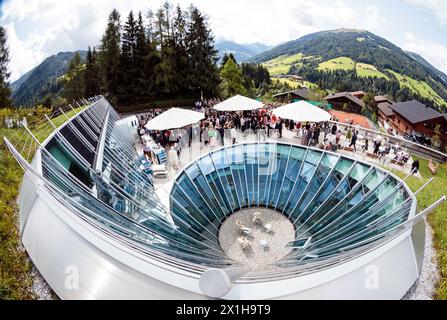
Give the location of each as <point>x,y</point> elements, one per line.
<point>333,202</point>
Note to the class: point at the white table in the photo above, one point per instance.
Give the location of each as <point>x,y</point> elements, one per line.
<point>264,243</point>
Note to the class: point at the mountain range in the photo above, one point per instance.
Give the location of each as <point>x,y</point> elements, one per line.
<point>343,59</point>
<point>241,52</point>
<point>350,60</point>
<point>43,79</point>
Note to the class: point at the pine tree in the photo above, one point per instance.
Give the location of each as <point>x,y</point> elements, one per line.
<point>151,59</point>
<point>74,79</point>
<point>128,73</point>
<point>202,55</point>
<point>179,45</point>
<point>167,69</point>
<point>110,55</point>
<point>5,91</point>
<point>91,74</point>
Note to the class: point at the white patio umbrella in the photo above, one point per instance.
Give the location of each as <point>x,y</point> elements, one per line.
<point>238,103</point>
<point>302,111</point>
<point>174,118</point>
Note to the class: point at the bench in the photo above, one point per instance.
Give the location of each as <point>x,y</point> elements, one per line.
<point>372,155</point>
<point>159,170</point>
<point>348,149</point>
<point>400,163</point>
<point>433,168</point>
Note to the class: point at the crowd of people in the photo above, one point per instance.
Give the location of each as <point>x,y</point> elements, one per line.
<point>220,128</point>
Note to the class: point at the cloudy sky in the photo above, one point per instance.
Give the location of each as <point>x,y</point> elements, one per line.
<point>40,28</point>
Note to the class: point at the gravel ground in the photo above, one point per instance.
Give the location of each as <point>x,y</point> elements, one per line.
<point>424,288</point>
<point>41,287</point>
<point>256,257</point>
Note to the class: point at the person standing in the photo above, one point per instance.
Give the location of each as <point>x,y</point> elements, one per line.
<point>353,141</point>
<point>221,131</point>
<point>212,135</point>
<point>173,158</point>
<point>206,137</point>
<point>334,129</point>
<point>233,134</point>
<point>189,135</point>
<point>377,145</point>
<point>304,137</point>
<point>415,167</point>
<point>280,126</point>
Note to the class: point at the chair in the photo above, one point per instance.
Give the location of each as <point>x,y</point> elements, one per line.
<point>257,220</point>
<point>243,229</point>
<point>244,243</point>
<point>159,170</point>
<point>268,227</point>
<point>264,243</point>
<point>433,167</point>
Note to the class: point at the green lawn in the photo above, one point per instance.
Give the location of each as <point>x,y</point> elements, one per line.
<point>341,63</point>
<point>438,218</point>
<point>368,70</point>
<point>15,279</point>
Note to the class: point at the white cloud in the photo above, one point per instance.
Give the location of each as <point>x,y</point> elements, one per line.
<point>371,17</point>
<point>434,52</point>
<point>438,8</point>
<point>40,28</point>
<point>24,54</point>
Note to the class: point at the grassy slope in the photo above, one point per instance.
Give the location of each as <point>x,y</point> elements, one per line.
<point>282,64</point>
<point>294,84</point>
<point>438,218</point>
<point>15,279</point>
<point>367,70</point>
<point>419,87</point>
<point>341,63</point>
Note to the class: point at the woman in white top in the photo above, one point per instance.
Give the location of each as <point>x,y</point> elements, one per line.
<point>233,134</point>
<point>212,134</point>
<point>173,158</point>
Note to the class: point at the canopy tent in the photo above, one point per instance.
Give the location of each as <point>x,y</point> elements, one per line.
<point>239,103</point>
<point>302,111</point>
<point>174,118</point>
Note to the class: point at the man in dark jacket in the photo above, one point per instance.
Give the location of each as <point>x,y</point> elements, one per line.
<point>353,140</point>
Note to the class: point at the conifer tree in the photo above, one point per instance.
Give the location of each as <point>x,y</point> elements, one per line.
<point>128,69</point>
<point>91,74</point>
<point>5,91</point>
<point>232,80</point>
<point>110,55</point>
<point>74,79</point>
<point>201,54</point>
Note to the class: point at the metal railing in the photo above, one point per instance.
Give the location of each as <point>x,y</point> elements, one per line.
<point>412,147</point>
